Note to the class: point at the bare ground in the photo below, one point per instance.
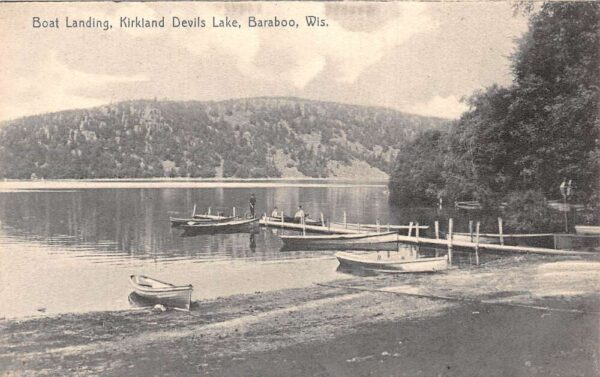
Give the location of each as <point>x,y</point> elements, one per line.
<point>535,317</point>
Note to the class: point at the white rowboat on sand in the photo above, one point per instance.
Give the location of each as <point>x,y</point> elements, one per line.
<point>161,292</point>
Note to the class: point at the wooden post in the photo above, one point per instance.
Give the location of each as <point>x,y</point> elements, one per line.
<point>410,228</point>
<point>417,240</point>
<point>345,219</point>
<point>471,230</point>
<point>209,210</point>
<point>500,230</point>
<point>233,211</point>
<point>265,219</point>
<point>303,227</point>
<point>282,215</point>
<point>378,229</point>
<point>450,223</point>
<point>388,227</point>
<point>437,230</point>
<point>477,243</point>
<point>194,210</point>
<point>322,220</point>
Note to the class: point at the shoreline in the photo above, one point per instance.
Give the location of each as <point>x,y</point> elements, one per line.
<point>529,319</point>
<point>187,183</point>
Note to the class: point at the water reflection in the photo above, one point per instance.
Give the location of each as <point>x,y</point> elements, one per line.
<point>74,249</point>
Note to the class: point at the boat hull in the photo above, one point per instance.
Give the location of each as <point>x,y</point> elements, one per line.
<point>379,261</point>
<point>198,219</point>
<point>534,240</point>
<point>365,241</point>
<point>155,291</point>
<point>236,226</point>
<point>587,229</point>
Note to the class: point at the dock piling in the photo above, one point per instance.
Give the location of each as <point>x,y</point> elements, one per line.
<point>194,210</point>
<point>500,231</point>
<point>303,226</point>
<point>437,230</point>
<point>477,243</point>
<point>471,230</point>
<point>345,221</point>
<point>450,224</point>
<point>322,220</point>
<point>233,211</point>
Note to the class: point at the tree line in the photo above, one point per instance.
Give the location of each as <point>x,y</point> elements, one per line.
<point>235,138</point>
<point>516,144</point>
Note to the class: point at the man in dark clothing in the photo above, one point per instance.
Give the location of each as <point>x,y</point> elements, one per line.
<point>252,204</point>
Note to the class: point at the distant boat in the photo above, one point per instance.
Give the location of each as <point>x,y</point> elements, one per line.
<point>358,241</point>
<point>392,261</point>
<point>587,229</point>
<point>161,292</point>
<point>229,226</point>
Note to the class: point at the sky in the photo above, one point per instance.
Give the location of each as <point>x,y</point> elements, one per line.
<point>417,57</point>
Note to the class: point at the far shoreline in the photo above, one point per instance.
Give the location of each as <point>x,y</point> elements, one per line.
<point>17,184</point>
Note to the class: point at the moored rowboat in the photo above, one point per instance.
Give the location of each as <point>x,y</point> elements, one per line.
<point>161,292</point>
<point>359,241</point>
<point>392,261</point>
<point>176,221</point>
<point>216,227</point>
<point>587,229</point>
<point>377,227</point>
<point>294,220</point>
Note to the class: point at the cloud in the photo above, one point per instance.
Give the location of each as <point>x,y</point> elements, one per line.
<point>309,50</point>
<point>445,107</point>
<point>56,88</point>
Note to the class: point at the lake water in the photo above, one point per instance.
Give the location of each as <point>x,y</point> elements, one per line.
<point>64,250</point>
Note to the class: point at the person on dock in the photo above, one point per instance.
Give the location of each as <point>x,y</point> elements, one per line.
<point>299,215</point>
<point>275,213</point>
<point>252,204</point>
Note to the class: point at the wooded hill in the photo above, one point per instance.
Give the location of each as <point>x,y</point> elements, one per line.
<point>257,137</point>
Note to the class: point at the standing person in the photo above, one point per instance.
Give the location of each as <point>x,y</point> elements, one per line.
<point>299,215</point>
<point>252,204</point>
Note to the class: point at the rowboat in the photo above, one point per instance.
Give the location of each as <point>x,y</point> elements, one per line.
<point>377,227</point>
<point>161,292</point>
<point>196,219</point>
<point>516,239</point>
<point>359,241</point>
<point>295,220</point>
<point>392,261</point>
<point>235,225</point>
<point>587,229</point>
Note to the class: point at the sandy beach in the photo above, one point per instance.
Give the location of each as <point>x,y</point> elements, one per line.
<point>536,318</point>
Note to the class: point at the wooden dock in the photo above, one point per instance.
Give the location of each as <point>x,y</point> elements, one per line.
<point>332,228</point>
<point>268,222</point>
<point>495,247</point>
